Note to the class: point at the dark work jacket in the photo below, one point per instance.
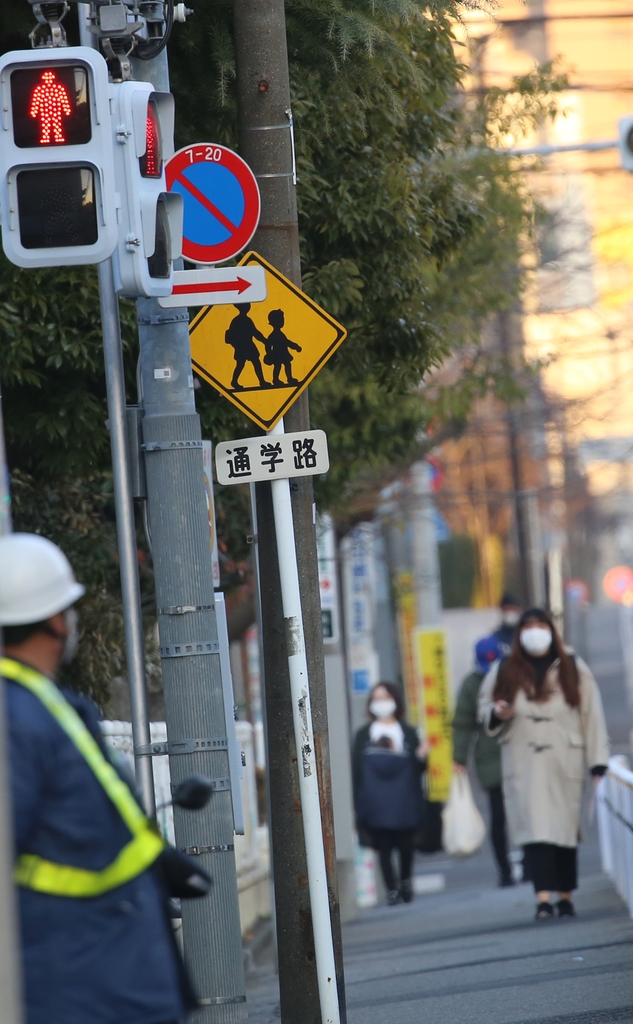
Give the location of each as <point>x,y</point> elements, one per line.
<point>387,785</point>
<point>466,726</point>
<point>108,959</point>
<point>505,636</point>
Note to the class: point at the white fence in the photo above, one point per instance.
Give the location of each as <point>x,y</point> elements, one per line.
<point>614,801</point>
<point>251,850</point>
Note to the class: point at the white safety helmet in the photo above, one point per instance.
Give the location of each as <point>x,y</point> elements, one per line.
<point>36,580</point>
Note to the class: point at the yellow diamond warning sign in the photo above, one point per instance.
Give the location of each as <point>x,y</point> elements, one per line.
<point>262,355</point>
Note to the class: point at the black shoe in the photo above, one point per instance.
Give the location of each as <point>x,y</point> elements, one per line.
<point>565,908</point>
<point>393,897</point>
<point>506,882</point>
<point>406,891</point>
<point>544,912</point>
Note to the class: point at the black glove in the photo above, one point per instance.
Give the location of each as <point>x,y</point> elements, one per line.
<point>183,878</point>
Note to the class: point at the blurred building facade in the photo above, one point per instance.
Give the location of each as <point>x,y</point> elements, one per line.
<point>575,433</point>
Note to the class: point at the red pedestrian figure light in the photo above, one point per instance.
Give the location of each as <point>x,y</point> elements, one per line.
<point>50,102</point>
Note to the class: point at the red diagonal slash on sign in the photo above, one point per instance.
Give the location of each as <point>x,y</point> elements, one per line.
<point>239,286</point>
<point>206,202</point>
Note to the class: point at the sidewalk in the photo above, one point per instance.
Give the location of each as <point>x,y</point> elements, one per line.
<point>474,955</point>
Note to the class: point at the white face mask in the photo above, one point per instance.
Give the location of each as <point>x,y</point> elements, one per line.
<point>510,618</point>
<point>382,708</point>
<point>536,640</point>
<point>71,621</point>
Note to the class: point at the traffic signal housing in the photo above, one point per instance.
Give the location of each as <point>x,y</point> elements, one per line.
<point>57,188</point>
<point>150,229</point>
<point>625,132</point>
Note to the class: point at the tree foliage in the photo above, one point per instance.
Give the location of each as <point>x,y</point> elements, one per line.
<point>408,227</point>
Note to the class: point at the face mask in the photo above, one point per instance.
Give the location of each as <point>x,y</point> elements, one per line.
<point>536,640</point>
<point>382,708</point>
<point>510,618</point>
<point>71,621</point>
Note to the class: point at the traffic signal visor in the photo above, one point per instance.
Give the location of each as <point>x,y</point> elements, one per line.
<point>150,233</point>
<point>57,196</point>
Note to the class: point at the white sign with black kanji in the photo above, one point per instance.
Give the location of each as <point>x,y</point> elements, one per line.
<point>272,456</point>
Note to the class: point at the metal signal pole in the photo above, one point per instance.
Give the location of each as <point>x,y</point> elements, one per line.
<point>10,970</point>
<point>267,144</point>
<point>188,629</point>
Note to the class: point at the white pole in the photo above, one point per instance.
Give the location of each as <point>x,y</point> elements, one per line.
<point>304,739</point>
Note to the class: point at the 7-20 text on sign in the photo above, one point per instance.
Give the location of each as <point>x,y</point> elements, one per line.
<point>272,456</point>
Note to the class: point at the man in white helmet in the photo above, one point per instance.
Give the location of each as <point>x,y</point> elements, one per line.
<point>96,940</point>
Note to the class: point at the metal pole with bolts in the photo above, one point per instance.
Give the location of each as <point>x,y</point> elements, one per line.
<point>10,969</point>
<point>188,630</point>
<point>126,532</point>
<point>304,739</point>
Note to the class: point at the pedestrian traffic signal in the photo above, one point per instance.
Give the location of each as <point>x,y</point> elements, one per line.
<point>57,191</point>
<point>150,232</point>
<point>625,131</point>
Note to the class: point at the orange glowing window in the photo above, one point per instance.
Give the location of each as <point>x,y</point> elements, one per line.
<point>50,106</point>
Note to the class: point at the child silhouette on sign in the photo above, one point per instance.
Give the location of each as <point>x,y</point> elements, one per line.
<point>240,335</point>
<point>278,348</point>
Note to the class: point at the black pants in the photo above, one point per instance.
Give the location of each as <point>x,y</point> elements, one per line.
<point>385,841</point>
<point>552,868</point>
<point>498,835</point>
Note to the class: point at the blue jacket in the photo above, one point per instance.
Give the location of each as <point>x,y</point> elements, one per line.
<point>104,960</point>
<point>388,787</point>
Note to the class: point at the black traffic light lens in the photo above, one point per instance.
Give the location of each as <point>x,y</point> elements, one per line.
<point>159,264</point>
<point>51,106</point>
<point>57,207</point>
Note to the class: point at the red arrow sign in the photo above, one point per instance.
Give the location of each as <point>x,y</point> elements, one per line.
<point>209,286</point>
<point>240,285</point>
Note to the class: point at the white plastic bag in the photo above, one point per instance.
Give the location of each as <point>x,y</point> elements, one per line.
<point>463,828</point>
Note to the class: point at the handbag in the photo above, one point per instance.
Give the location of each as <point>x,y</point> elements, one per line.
<point>463,826</point>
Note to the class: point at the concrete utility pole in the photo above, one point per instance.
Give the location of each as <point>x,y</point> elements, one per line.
<point>10,972</point>
<point>267,144</point>
<point>192,682</point>
<point>505,340</point>
<point>426,565</point>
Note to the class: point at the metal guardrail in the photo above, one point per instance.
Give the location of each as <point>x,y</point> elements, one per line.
<point>614,806</point>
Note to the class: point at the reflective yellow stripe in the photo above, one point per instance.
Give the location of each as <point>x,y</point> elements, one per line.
<point>42,875</point>
<point>34,872</point>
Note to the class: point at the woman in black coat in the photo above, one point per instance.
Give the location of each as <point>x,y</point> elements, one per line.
<point>387,762</point>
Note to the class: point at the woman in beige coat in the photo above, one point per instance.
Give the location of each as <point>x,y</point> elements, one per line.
<point>544,705</point>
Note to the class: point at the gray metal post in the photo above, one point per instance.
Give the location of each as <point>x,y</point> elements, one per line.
<point>10,971</point>
<point>192,681</point>
<point>426,567</point>
<point>126,532</point>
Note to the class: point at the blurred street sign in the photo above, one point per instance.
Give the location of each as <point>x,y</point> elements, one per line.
<point>618,584</point>
<point>278,456</point>
<point>263,357</point>
<point>578,590</point>
<point>216,286</point>
<point>438,714</point>
<point>221,199</point>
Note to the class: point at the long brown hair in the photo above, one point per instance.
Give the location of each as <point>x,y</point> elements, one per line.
<point>517,673</point>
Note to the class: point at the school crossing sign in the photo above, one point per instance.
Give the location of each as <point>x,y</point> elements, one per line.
<point>262,355</point>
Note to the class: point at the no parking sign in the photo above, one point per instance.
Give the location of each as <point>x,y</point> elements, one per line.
<point>221,201</point>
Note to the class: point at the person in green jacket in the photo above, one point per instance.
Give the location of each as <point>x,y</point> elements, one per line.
<point>487,750</point>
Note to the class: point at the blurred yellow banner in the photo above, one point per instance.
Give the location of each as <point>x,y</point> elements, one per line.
<point>431,645</point>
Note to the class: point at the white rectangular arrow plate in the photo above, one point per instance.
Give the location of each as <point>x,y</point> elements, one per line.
<point>272,456</point>
<point>216,286</point>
